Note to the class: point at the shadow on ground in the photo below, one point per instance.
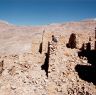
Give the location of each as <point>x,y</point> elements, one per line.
<point>85,72</point>
<point>45,66</point>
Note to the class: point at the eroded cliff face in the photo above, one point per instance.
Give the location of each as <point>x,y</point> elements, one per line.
<point>32,63</point>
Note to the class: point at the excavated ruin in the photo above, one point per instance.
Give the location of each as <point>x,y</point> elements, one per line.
<point>57,61</point>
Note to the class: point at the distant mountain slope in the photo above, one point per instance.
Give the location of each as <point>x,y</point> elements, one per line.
<point>15,38</point>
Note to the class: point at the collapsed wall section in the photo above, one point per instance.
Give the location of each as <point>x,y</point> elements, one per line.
<point>62,77</point>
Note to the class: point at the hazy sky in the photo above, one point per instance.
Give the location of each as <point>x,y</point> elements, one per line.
<point>38,12</point>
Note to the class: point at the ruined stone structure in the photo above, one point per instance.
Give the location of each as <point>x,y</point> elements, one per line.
<point>54,39</point>
<point>1,66</point>
<point>32,63</point>
<point>95,38</point>
<point>72,41</point>
<point>89,45</point>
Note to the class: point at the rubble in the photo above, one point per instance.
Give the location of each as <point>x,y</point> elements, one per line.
<point>49,67</point>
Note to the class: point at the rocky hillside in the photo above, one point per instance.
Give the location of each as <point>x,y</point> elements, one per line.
<point>56,59</point>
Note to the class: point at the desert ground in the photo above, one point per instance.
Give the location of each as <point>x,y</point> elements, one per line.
<point>34,63</point>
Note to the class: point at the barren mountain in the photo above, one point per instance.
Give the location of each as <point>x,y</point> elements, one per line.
<point>55,59</point>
